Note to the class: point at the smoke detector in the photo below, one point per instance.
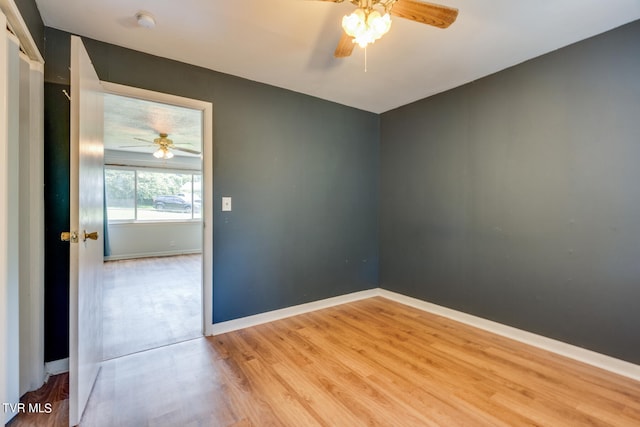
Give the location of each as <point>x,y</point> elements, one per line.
<point>145,20</point>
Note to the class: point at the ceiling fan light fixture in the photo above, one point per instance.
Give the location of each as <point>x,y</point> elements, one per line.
<point>366,26</point>
<point>379,23</point>
<point>163,153</point>
<point>355,23</point>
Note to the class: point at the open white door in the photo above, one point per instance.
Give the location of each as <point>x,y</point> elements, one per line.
<point>86,222</point>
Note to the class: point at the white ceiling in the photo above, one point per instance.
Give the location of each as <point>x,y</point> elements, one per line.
<point>290,43</point>
<point>132,124</point>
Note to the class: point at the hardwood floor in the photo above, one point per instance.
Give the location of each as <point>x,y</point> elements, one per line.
<point>371,362</point>
<point>54,393</point>
<point>151,302</point>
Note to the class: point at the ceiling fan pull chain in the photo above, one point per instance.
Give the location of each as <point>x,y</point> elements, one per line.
<point>365,59</point>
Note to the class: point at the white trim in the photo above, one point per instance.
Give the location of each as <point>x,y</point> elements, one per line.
<point>270,316</point>
<point>207,220</point>
<point>589,357</point>
<point>31,206</point>
<point>151,255</point>
<point>5,393</point>
<point>56,367</point>
<point>38,67</point>
<point>36,204</point>
<point>207,182</point>
<point>9,221</point>
<point>17,24</point>
<point>598,360</point>
<point>36,111</point>
<point>150,95</point>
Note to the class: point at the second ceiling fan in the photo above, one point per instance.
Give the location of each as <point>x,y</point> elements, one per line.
<point>164,145</point>
<point>372,19</point>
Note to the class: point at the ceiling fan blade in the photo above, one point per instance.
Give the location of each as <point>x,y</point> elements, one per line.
<point>144,140</point>
<point>425,13</point>
<point>136,146</point>
<point>345,46</point>
<point>186,150</point>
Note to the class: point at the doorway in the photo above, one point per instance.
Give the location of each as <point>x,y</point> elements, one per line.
<point>158,188</point>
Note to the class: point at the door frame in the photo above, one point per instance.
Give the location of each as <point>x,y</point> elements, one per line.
<point>207,182</point>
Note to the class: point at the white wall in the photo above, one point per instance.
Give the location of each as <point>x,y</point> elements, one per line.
<point>137,240</point>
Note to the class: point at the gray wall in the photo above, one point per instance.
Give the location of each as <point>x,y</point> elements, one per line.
<point>517,197</point>
<point>29,11</point>
<point>302,172</point>
<point>514,198</point>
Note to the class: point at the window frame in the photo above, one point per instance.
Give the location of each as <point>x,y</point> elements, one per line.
<point>135,170</point>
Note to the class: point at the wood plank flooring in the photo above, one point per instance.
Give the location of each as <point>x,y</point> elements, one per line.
<point>372,362</point>
<point>151,302</point>
<point>367,363</point>
<point>55,393</point>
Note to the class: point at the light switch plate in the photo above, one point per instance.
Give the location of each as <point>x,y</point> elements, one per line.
<point>226,204</point>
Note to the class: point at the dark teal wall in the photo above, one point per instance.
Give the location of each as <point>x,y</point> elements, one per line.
<point>56,202</point>
<point>303,174</point>
<point>29,11</point>
<point>517,197</point>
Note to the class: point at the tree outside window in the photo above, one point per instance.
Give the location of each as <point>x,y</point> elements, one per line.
<point>141,195</point>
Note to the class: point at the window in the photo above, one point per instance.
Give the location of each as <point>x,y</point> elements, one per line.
<point>121,194</point>
<point>147,195</point>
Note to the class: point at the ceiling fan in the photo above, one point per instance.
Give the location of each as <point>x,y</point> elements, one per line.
<point>372,19</point>
<point>165,147</point>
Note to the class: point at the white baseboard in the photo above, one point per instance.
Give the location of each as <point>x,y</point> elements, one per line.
<point>602,361</point>
<point>56,367</point>
<point>598,360</point>
<point>270,316</point>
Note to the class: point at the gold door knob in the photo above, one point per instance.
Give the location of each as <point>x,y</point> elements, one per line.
<point>69,236</point>
<point>92,236</point>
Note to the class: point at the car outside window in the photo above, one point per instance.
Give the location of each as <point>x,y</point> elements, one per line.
<point>142,195</point>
